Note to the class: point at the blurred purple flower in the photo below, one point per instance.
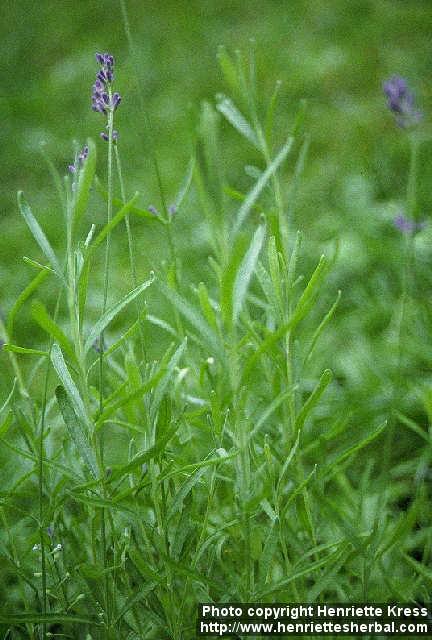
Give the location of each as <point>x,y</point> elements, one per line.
<point>105,137</point>
<point>98,345</point>
<point>405,225</point>
<point>79,161</point>
<point>103,100</point>
<point>400,100</point>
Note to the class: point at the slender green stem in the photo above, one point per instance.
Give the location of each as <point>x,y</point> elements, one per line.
<point>407,283</point>
<point>14,362</point>
<point>41,478</point>
<point>131,252</point>
<point>107,247</point>
<point>100,449</point>
<point>411,196</point>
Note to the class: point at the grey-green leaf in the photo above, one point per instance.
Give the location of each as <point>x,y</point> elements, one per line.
<point>38,233</point>
<point>85,181</point>
<point>228,109</point>
<point>254,193</point>
<point>246,270</point>
<point>71,389</point>
<point>111,313</point>
<point>76,430</point>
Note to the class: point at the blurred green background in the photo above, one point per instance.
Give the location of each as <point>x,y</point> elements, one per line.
<point>336,55</point>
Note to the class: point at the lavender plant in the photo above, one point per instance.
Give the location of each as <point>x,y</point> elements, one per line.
<point>202,475</point>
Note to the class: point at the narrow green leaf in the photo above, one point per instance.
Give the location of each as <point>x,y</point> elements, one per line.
<point>117,202</point>
<point>184,529</point>
<point>145,456</point>
<point>6,423</point>
<point>209,171</point>
<point>292,266</point>
<point>184,187</point>
<point>246,270</point>
<point>403,527</point>
<point>44,320</point>
<point>301,310</point>
<point>228,69</point>
<point>9,398</point>
<point>269,119</point>
<point>305,571</point>
<point>189,468</point>
<point>185,489</point>
<point>158,322</point>
<point>127,334</point>
<point>228,109</point>
<point>134,599</point>
<point>260,184</point>
<point>164,382</point>
<point>55,175</point>
<point>275,272</point>
<point>324,322</point>
<point>76,430</point>
<point>227,279</point>
<point>268,552</point>
<point>313,399</point>
<point>49,618</point>
<point>296,492</point>
<point>85,181</point>
<point>271,408</point>
<point>111,313</point>
<point>408,422</point>
<point>210,338</point>
<point>325,471</point>
<point>423,571</point>
<point>206,306</point>
<point>306,299</point>
<point>287,462</point>
<point>121,213</point>
<point>23,297</point>
<point>135,394</point>
<point>38,234</point>
<point>69,385</point>
<point>37,265</point>
<point>16,349</point>
<point>296,179</point>
<point>266,285</point>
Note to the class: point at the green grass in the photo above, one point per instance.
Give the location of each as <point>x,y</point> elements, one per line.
<point>231,403</point>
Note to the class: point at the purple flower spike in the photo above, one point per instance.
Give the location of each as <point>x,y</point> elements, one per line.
<point>153,210</point>
<point>104,77</point>
<point>400,100</point>
<point>98,346</point>
<point>116,99</point>
<point>105,136</point>
<point>98,106</point>
<point>103,101</point>
<point>79,160</point>
<point>405,225</point>
<point>84,154</point>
